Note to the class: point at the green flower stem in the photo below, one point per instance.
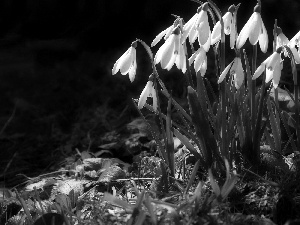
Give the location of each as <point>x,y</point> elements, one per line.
<point>150,54</point>
<point>224,146</point>
<point>188,68</point>
<point>258,131</point>
<point>253,93</point>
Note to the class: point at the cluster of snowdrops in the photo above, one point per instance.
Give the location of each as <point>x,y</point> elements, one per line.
<point>215,131</point>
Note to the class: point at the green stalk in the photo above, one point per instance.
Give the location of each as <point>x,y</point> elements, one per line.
<point>253,93</point>
<point>188,69</point>
<point>296,95</point>
<point>257,132</point>
<point>222,86</point>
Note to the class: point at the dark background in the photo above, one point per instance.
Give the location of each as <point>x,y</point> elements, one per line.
<point>56,56</point>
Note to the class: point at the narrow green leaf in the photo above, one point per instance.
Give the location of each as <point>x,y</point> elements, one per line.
<point>177,106</point>
<point>207,141</point>
<point>185,141</point>
<point>193,176</point>
<point>170,140</point>
<point>116,201</point>
<point>274,126</point>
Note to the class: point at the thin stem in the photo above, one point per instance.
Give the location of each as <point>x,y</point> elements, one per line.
<point>253,86</point>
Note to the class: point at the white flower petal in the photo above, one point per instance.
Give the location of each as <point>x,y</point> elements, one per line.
<point>203,30</point>
<point>239,74</point>
<point>194,55</point>
<point>117,64</point>
<point>259,71</point>
<point>269,75</point>
<point>233,33</point>
<point>281,40</point>
<point>132,71</point>
<point>169,52</point>
<point>154,98</point>
<point>188,26</point>
<point>227,18</point>
<point>255,28</point>
<point>216,33</point>
<point>272,60</point>
<point>193,35</point>
<point>206,46</point>
<point>263,39</point>
<point>126,62</point>
<point>144,95</point>
<point>180,59</point>
<point>224,73</point>
<point>160,36</point>
<point>199,59</point>
<point>276,75</point>
<point>244,34</point>
<point>203,67</point>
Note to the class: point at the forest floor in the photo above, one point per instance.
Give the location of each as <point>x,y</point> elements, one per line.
<point>69,127</point>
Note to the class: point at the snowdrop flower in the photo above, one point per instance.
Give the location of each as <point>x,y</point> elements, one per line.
<point>171,52</point>
<point>281,39</point>
<point>273,67</point>
<point>127,62</point>
<point>148,91</point>
<point>255,30</point>
<point>167,32</point>
<point>236,69</point>
<point>200,61</point>
<point>198,26</point>
<point>229,27</point>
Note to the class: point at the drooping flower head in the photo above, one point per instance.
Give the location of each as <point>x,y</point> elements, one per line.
<point>273,67</point>
<point>200,61</point>
<point>236,70</point>
<point>127,62</point>
<point>149,91</point>
<point>198,26</point>
<point>281,39</point>
<point>255,30</point>
<point>167,32</point>
<point>229,26</point>
<point>171,52</point>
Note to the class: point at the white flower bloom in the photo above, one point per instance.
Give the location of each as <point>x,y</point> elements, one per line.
<point>197,26</point>
<point>273,67</point>
<point>255,30</point>
<point>228,26</point>
<point>281,39</point>
<point>127,63</point>
<point>200,61</point>
<point>171,52</point>
<point>167,32</point>
<point>148,91</point>
<point>236,69</point>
